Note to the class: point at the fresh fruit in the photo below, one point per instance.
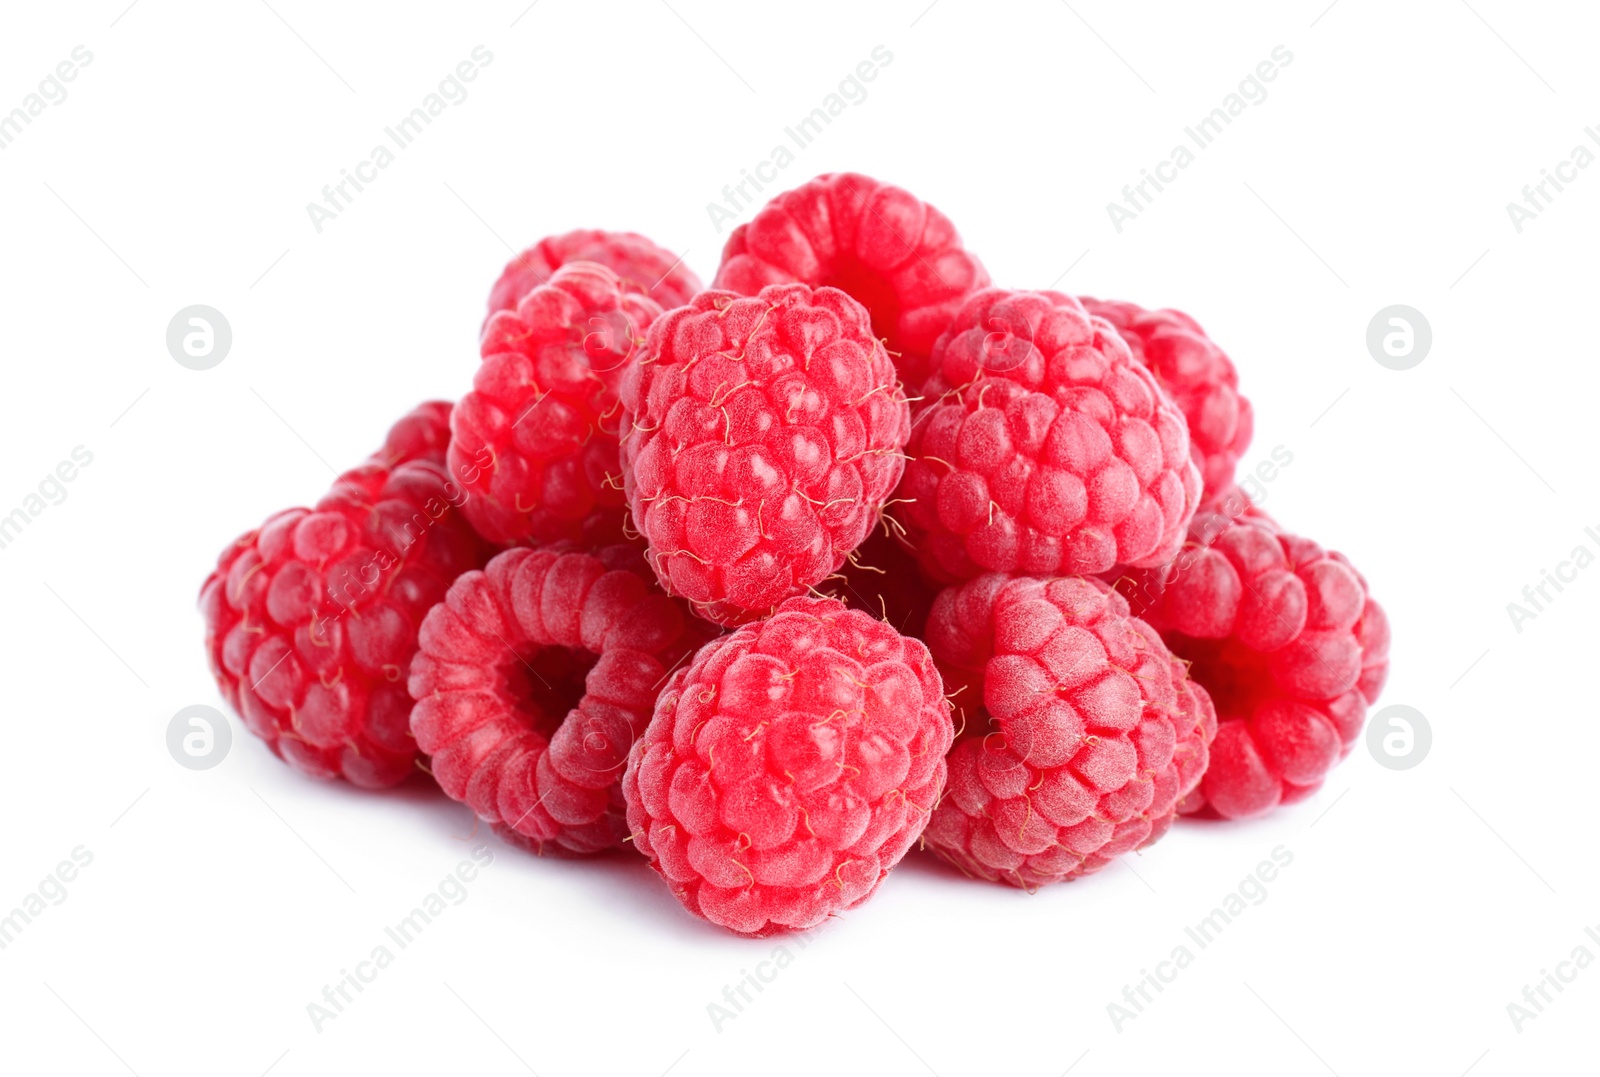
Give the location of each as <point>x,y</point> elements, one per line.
<point>789,766</point>
<point>1082,732</point>
<point>765,438</point>
<point>311,619</point>
<point>534,677</point>
<point>1043,448</point>
<point>1286,639</point>
<point>535,442</point>
<point>895,254</point>
<point>640,264</point>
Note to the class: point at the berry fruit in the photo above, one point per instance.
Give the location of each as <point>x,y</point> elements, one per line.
<point>533,677</point>
<point>1043,448</point>
<point>1082,731</point>
<point>311,620</point>
<point>1198,375</point>
<point>789,766</point>
<point>642,266</point>
<point>423,433</point>
<point>1284,636</point>
<point>535,441</point>
<point>897,255</point>
<point>765,437</point>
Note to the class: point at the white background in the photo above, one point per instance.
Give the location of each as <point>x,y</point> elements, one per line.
<point>1377,171</point>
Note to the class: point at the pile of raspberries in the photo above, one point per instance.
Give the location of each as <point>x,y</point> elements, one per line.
<point>769,580</point>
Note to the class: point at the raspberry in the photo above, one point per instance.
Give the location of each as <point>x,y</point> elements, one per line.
<point>536,439</point>
<point>423,433</point>
<point>766,437</point>
<point>642,266</point>
<point>532,679</point>
<point>1286,639</point>
<point>311,620</point>
<point>898,256</point>
<point>1087,736</point>
<point>1043,448</point>
<point>1198,375</point>
<point>789,766</point>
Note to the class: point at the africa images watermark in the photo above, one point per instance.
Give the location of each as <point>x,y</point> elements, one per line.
<point>1538,197</point>
<point>337,197</point>
<point>1252,90</point>
<point>52,90</point>
<point>52,490</point>
<point>1537,995</point>
<point>52,889</point>
<point>1251,891</point>
<point>452,890</point>
<point>737,995</point>
<point>1537,596</point>
<point>852,90</point>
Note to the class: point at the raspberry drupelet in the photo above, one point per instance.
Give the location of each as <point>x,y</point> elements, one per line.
<point>1082,731</point>
<point>535,442</point>
<point>897,255</point>
<point>311,620</point>
<point>765,436</point>
<point>1287,640</point>
<point>534,677</point>
<point>640,264</point>
<point>1199,376</point>
<point>789,766</point>
<point>1043,448</point>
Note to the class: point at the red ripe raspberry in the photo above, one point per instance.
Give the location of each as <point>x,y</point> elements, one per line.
<point>789,767</point>
<point>642,266</point>
<point>898,256</point>
<point>311,620</point>
<point>1198,375</point>
<point>535,442</point>
<point>766,437</point>
<point>1087,736</point>
<point>1043,447</point>
<point>532,680</point>
<point>423,433</point>
<point>1286,639</point>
